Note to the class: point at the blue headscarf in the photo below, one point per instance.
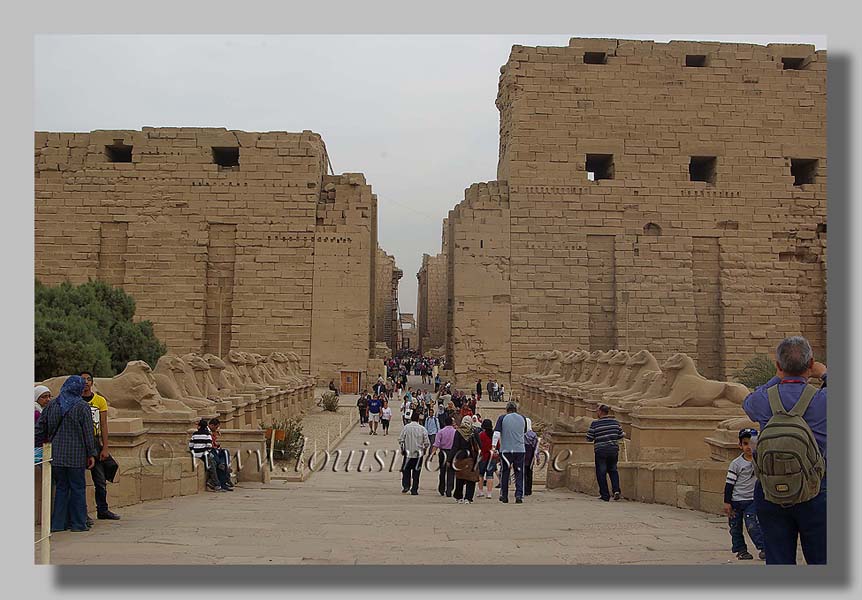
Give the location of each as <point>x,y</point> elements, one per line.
<point>70,393</point>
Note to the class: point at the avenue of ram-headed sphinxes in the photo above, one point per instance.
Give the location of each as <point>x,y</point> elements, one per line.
<point>658,219</point>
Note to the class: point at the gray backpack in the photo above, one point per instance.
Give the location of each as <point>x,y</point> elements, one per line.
<point>788,462</point>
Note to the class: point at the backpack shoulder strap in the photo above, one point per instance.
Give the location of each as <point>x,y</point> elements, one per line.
<point>804,400</point>
<point>775,400</point>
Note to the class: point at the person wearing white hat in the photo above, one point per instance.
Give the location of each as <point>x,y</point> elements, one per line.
<point>41,397</point>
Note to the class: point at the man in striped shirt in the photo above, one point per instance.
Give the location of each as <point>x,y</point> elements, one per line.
<point>200,445</point>
<point>605,433</point>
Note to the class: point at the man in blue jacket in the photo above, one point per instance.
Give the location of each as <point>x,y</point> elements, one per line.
<point>805,521</point>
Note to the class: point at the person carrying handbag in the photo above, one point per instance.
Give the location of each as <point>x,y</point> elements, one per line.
<point>465,452</point>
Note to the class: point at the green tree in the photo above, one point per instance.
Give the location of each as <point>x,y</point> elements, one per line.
<point>89,326</point>
<point>756,371</point>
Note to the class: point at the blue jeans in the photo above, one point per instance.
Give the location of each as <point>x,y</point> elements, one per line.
<point>512,460</point>
<point>222,463</point>
<point>783,526</point>
<point>606,465</point>
<point>70,500</point>
<point>744,511</point>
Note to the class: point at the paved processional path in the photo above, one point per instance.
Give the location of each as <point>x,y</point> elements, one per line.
<point>362,518</point>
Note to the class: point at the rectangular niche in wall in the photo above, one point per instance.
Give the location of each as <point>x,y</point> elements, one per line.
<point>706,281</point>
<point>600,166</point>
<point>221,258</point>
<point>804,170</point>
<point>601,281</point>
<point>703,168</point>
<point>227,159</point>
<point>113,243</point>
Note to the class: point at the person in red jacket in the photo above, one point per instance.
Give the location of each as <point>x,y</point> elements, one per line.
<point>487,462</point>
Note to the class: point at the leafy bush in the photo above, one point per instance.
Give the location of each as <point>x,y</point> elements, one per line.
<point>759,369</point>
<point>329,401</point>
<point>291,445</point>
<point>90,327</point>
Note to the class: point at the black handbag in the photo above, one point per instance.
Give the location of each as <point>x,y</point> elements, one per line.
<point>110,467</point>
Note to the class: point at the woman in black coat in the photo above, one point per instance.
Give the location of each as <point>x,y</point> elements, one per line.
<point>465,454</point>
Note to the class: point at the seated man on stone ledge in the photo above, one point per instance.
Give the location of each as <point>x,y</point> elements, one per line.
<point>221,456</point>
<point>200,445</point>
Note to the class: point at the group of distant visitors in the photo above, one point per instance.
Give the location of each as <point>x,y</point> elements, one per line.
<point>775,488</point>
<point>76,425</point>
<point>469,453</point>
<point>400,366</point>
<point>496,391</point>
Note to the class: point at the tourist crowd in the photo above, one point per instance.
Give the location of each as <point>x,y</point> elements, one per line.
<point>469,450</point>
<point>779,506</point>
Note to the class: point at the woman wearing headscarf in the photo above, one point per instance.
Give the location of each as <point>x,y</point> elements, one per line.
<point>531,443</point>
<point>451,410</point>
<point>68,423</point>
<point>465,453</point>
<point>41,396</point>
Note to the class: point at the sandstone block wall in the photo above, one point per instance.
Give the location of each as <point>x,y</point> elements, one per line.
<point>386,305</point>
<point>218,256</point>
<point>345,255</point>
<point>614,244</point>
<point>409,332</point>
<point>479,320</point>
<point>432,305</point>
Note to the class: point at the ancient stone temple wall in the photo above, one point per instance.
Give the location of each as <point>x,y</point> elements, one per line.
<point>383,307</point>
<point>409,332</point>
<point>432,302</point>
<point>345,256</point>
<point>478,282</point>
<point>670,196</point>
<point>213,232</point>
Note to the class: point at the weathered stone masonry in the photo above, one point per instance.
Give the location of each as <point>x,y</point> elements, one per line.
<point>478,276</point>
<point>386,317</point>
<point>663,196</point>
<point>432,308</point>
<point>226,239</point>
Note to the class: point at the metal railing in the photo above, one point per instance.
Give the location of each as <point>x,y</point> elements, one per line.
<point>45,540</point>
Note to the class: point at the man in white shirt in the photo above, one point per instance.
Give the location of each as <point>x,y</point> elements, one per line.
<point>414,442</point>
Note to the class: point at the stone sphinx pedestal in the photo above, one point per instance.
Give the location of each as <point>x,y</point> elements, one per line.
<point>566,448</point>
<point>674,434</point>
<point>250,445</point>
<point>723,443</point>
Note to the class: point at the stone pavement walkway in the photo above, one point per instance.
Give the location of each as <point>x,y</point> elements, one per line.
<point>362,518</point>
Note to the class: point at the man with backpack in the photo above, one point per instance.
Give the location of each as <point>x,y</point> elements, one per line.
<point>790,456</point>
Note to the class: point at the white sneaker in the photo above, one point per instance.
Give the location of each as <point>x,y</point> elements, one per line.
<point>480,495</point>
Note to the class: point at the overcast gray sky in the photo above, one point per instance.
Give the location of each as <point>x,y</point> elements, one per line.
<point>414,113</point>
